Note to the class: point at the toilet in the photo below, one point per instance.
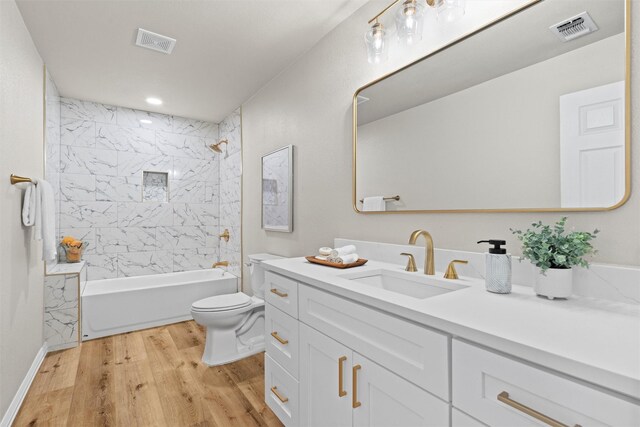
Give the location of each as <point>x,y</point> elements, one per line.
<point>235,322</point>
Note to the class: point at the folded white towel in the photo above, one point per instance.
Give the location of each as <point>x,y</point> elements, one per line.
<point>349,259</point>
<point>345,250</point>
<point>39,210</point>
<point>374,204</point>
<point>29,206</point>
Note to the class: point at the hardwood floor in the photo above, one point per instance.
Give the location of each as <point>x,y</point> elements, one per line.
<point>146,378</point>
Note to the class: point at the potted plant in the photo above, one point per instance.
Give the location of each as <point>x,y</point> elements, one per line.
<point>555,251</point>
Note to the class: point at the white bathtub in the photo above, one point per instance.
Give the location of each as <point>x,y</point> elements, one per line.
<point>113,306</point>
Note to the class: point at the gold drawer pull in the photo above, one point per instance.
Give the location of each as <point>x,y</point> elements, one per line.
<point>341,391</point>
<point>280,397</point>
<point>279,338</point>
<point>354,398</point>
<point>504,398</point>
<point>280,294</point>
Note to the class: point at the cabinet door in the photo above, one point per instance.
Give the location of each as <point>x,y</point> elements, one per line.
<point>382,398</point>
<point>325,399</point>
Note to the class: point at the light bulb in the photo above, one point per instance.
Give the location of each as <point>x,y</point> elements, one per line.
<point>376,40</point>
<point>409,22</point>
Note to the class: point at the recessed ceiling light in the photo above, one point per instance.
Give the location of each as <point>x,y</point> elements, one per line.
<point>154,101</point>
<point>145,121</point>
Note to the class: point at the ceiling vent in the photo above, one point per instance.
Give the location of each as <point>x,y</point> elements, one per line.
<point>154,41</point>
<point>572,28</point>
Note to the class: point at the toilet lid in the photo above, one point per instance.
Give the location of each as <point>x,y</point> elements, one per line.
<point>223,302</point>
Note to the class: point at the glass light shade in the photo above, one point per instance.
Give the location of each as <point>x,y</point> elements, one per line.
<point>450,10</point>
<point>410,21</point>
<point>377,44</point>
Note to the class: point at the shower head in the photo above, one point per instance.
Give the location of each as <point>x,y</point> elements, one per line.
<point>216,147</point>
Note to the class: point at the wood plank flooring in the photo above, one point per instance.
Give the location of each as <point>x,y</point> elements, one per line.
<point>146,378</point>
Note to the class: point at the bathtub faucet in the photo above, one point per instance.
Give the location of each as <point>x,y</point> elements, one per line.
<point>220,264</point>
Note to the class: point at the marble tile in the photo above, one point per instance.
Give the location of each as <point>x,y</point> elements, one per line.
<point>84,234</point>
<point>181,237</point>
<point>101,266</point>
<point>194,259</point>
<point>119,188</point>
<point>78,133</point>
<point>77,187</point>
<point>230,167</point>
<point>230,129</point>
<point>173,144</point>
<point>230,190</point>
<point>60,291</point>
<point>86,110</point>
<point>155,186</point>
<point>61,327</point>
<point>133,164</point>
<point>88,214</point>
<point>148,214</point>
<point>187,191</point>
<point>131,119</point>
<point>52,153</point>
<point>194,127</point>
<point>235,239</point>
<point>212,236</point>
<point>211,193</point>
<point>88,161</point>
<point>230,214</point>
<point>195,213</point>
<point>125,239</point>
<point>144,263</point>
<point>134,140</point>
<point>196,169</point>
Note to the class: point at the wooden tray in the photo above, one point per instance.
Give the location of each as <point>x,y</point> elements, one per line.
<point>314,260</point>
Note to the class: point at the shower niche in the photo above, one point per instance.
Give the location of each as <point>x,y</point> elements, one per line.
<point>155,186</point>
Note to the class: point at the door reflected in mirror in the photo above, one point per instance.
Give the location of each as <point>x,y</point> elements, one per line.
<point>527,114</point>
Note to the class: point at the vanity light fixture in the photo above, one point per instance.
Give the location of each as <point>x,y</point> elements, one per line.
<point>409,19</point>
<point>154,101</point>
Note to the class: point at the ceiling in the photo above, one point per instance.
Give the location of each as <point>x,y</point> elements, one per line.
<point>518,42</point>
<point>226,49</point>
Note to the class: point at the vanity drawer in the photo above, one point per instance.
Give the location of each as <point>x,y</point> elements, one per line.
<point>281,392</point>
<point>460,419</point>
<point>282,292</point>
<point>491,388</point>
<point>282,339</point>
<point>413,352</point>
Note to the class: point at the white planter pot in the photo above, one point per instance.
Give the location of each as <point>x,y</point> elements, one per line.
<point>554,283</point>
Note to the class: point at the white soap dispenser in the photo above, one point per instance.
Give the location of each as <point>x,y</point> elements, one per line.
<point>497,268</point>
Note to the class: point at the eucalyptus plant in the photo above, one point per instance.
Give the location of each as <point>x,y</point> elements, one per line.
<point>552,247</point>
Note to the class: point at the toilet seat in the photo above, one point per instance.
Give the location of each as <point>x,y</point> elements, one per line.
<point>225,302</point>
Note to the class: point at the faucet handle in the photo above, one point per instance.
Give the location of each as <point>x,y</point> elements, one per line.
<point>411,264</point>
<point>451,272</point>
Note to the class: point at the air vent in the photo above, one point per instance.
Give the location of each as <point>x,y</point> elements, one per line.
<point>154,41</point>
<point>572,28</point>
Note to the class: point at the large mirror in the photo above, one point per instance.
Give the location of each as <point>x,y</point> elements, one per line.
<point>529,113</point>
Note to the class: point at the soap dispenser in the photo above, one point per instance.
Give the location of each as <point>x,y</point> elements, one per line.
<point>498,268</point>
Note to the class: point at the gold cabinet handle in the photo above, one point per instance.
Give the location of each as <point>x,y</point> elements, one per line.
<point>354,398</point>
<point>341,391</point>
<point>280,397</point>
<point>280,294</point>
<point>504,398</point>
<point>279,338</point>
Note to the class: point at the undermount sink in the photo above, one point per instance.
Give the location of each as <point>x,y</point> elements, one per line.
<point>415,285</point>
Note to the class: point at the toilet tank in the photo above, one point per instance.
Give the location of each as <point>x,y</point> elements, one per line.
<point>257,272</point>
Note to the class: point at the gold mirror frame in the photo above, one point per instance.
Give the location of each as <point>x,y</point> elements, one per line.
<point>627,126</point>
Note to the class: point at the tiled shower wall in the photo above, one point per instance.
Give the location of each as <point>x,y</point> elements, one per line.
<point>103,153</point>
<point>230,191</point>
<point>52,143</point>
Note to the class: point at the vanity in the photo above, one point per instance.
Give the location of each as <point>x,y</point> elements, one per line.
<point>376,345</point>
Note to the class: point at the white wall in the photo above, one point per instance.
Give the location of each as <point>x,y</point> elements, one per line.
<point>21,152</point>
<point>510,138</point>
<point>309,105</point>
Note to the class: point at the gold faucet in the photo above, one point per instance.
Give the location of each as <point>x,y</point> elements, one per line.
<point>225,235</point>
<point>411,263</point>
<point>429,267</point>
<point>451,272</point>
<point>220,264</point>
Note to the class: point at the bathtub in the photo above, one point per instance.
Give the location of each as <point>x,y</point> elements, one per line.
<point>114,306</point>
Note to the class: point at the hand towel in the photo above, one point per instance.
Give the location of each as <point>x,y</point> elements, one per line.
<point>45,220</point>
<point>29,206</point>
<point>345,250</point>
<point>374,204</point>
<point>349,259</point>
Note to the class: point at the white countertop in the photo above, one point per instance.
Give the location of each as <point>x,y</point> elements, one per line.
<point>594,340</point>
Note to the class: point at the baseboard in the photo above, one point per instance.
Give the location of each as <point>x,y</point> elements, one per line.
<point>14,407</point>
